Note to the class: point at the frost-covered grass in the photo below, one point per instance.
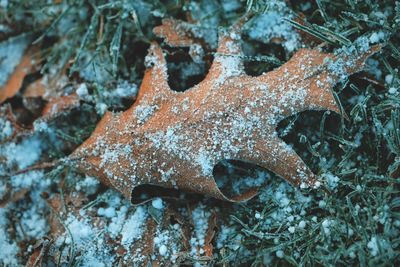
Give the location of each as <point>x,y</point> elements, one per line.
<point>352,219</point>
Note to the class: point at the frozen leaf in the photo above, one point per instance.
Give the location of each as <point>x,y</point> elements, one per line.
<point>175,33</point>
<point>173,140</point>
<point>15,64</point>
<point>178,33</point>
<point>212,225</point>
<point>51,85</point>
<point>56,106</point>
<point>40,249</point>
<point>9,124</point>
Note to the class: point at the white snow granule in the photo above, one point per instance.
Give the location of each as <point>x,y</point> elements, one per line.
<point>41,126</point>
<point>322,204</point>
<point>162,250</point>
<point>389,78</point>
<point>157,203</point>
<point>168,243</point>
<point>101,108</point>
<point>280,253</point>
<point>302,224</point>
<point>243,184</point>
<point>326,226</point>
<point>373,246</point>
<point>376,37</point>
<point>392,90</point>
<point>332,181</point>
<point>82,91</point>
<point>144,111</point>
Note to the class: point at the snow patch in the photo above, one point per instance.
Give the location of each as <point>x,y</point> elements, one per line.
<point>133,227</point>
<point>23,154</point>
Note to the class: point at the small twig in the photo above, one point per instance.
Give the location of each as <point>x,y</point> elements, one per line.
<point>43,165</point>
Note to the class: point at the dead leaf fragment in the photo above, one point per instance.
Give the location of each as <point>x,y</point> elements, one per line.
<point>174,33</point>
<point>208,246</point>
<point>14,83</point>
<point>39,252</point>
<point>27,64</point>
<point>174,139</point>
<point>60,104</point>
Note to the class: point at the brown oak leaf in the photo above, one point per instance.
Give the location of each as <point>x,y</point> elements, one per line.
<point>55,106</point>
<point>29,63</point>
<point>174,139</point>
<point>174,32</point>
